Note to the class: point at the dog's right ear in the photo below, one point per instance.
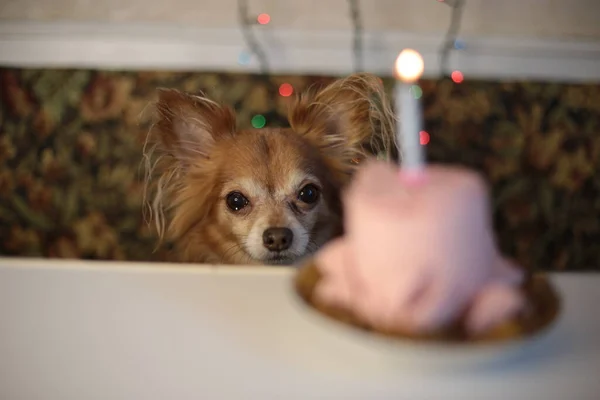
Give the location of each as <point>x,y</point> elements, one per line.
<point>186,126</point>
<point>350,119</point>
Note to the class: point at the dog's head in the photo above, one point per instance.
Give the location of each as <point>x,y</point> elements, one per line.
<point>267,196</point>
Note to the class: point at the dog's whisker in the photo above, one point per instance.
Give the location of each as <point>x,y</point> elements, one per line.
<point>229,255</point>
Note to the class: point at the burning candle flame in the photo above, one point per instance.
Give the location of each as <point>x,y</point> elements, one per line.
<point>409,66</point>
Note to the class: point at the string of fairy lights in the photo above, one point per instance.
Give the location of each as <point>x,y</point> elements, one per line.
<point>357,36</point>
<point>451,40</point>
<point>254,49</point>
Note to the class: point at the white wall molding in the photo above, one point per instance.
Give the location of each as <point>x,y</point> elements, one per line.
<point>145,46</point>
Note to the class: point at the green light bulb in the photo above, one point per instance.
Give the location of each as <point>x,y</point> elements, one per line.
<point>258,121</point>
<point>416,91</point>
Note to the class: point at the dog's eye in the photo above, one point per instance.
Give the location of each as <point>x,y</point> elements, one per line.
<point>309,194</point>
<point>236,201</point>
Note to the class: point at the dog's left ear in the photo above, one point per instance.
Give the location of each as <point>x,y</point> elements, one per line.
<point>349,120</point>
<point>187,126</point>
<point>185,130</point>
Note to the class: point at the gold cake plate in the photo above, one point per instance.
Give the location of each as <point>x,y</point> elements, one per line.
<point>541,313</point>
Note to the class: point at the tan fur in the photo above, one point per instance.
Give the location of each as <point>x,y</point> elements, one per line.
<point>195,156</point>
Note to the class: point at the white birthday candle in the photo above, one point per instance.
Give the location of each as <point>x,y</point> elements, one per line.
<point>408,69</point>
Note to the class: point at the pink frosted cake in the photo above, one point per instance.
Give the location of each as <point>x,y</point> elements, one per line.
<point>419,260</point>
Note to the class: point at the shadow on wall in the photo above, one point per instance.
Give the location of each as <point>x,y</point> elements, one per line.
<point>71,140</point>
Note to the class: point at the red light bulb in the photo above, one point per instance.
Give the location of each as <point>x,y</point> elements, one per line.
<point>263,19</point>
<point>424,138</point>
<point>286,90</point>
<point>457,76</point>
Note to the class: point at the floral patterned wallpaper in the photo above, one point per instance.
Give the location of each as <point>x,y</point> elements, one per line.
<point>71,140</point>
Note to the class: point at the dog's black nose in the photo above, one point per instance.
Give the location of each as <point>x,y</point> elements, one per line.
<point>277,239</point>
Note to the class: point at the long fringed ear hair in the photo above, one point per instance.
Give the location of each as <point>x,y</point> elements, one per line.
<point>349,120</point>
<point>184,129</point>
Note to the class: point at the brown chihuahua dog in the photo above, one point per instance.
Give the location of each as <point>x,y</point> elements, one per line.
<point>261,196</point>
